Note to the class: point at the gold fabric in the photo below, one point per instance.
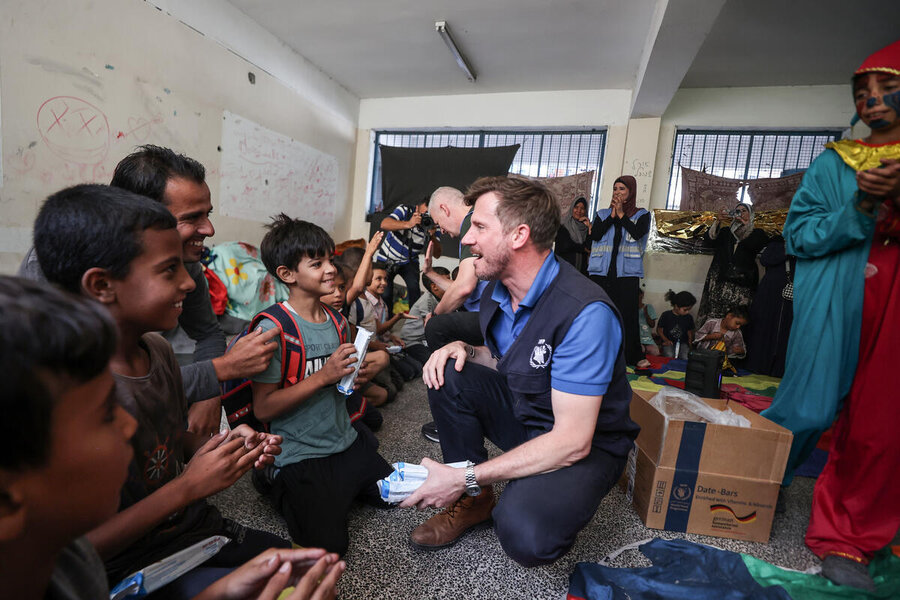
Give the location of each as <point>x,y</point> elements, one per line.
<point>726,364</point>
<point>686,225</point>
<point>859,156</point>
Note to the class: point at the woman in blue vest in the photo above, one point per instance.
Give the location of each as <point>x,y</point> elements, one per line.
<point>618,238</point>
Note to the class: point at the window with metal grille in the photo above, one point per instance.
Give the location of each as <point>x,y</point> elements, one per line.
<point>743,155</point>
<point>541,153</point>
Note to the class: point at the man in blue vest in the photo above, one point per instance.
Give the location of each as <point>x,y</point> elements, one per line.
<point>548,388</point>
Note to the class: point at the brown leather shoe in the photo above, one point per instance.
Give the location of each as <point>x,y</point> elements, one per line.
<point>446,527</point>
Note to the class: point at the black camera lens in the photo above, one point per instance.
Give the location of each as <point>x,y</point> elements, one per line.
<point>427,222</point>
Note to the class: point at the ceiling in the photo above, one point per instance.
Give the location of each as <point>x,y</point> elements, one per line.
<point>390,48</point>
<point>804,42</point>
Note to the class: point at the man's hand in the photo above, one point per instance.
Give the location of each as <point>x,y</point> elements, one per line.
<point>442,488</point>
<point>249,356</point>
<point>883,181</point>
<point>433,371</point>
<point>216,465</point>
<point>340,363</point>
<point>414,220</point>
<point>205,417</point>
<point>271,444</point>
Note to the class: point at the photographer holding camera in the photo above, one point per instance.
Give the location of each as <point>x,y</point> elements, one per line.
<point>409,229</point>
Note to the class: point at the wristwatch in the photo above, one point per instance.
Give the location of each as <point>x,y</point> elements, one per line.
<point>472,487</point>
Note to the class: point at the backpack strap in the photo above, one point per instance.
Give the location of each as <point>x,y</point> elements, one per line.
<point>293,352</point>
<point>340,323</point>
<point>359,310</point>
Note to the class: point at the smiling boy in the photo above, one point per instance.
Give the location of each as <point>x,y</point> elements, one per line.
<point>123,250</point>
<point>324,465</point>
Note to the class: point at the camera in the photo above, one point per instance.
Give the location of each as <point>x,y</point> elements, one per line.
<point>427,222</point>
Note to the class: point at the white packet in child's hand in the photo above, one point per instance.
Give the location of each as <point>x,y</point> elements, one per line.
<point>406,479</point>
<point>345,385</point>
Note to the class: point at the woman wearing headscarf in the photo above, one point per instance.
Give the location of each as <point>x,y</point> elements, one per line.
<point>572,237</point>
<point>844,228</point>
<point>733,274</point>
<point>618,237</point>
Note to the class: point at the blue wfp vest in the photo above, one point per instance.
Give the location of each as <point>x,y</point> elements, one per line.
<point>630,260</point>
<point>526,364</point>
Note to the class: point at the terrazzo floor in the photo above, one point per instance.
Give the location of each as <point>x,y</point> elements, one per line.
<point>381,564</point>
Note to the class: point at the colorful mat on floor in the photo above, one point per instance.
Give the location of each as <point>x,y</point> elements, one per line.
<point>753,391</point>
<point>684,570</point>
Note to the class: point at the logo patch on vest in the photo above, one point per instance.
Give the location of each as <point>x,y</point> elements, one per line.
<point>540,356</point>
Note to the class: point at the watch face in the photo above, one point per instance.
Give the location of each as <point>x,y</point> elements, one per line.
<point>473,490</point>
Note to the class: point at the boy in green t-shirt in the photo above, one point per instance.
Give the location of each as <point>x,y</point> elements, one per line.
<point>324,465</point>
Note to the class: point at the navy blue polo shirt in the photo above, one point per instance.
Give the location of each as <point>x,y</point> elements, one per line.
<point>583,363</point>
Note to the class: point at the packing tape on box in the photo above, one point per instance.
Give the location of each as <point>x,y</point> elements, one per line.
<point>684,481</point>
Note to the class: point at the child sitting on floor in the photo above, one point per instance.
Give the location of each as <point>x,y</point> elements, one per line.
<point>371,312</point>
<point>676,326</point>
<point>362,403</point>
<point>123,250</point>
<point>647,321</point>
<point>65,451</point>
<point>726,331</point>
<point>325,465</point>
<point>413,331</point>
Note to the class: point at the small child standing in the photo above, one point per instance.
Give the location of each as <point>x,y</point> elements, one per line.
<point>676,326</point>
<point>647,321</point>
<point>726,330</point>
<point>325,465</point>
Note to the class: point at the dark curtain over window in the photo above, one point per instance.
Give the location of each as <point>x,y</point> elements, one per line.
<point>410,175</point>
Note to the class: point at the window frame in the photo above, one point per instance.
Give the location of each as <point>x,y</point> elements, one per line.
<point>757,138</point>
<point>483,133</point>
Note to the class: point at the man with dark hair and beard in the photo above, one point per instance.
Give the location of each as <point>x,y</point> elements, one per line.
<point>561,421</point>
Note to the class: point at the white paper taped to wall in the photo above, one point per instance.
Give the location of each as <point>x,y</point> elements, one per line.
<point>264,173</point>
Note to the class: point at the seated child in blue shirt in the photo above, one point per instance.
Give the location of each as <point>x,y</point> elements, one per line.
<point>324,465</point>
<point>676,326</point>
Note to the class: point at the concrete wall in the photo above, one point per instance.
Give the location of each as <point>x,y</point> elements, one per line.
<point>641,147</point>
<point>148,76</point>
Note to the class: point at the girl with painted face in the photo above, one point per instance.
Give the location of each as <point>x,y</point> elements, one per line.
<point>844,228</point>
<point>733,275</point>
<point>618,237</point>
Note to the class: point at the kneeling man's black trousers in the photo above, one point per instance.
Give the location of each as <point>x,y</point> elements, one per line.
<point>537,517</point>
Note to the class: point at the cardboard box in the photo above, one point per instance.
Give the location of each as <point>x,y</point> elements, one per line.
<point>704,478</point>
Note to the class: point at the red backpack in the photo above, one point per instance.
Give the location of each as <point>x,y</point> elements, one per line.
<point>237,394</point>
